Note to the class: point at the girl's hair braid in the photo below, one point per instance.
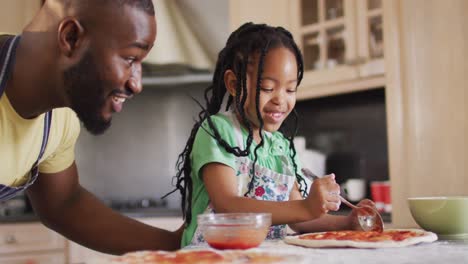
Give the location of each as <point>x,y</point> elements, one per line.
<point>294,118</point>
<point>241,45</point>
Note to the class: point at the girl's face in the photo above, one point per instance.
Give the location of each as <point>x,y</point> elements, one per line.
<point>277,89</point>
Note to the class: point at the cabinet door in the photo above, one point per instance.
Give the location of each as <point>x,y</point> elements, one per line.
<point>17,238</point>
<point>426,96</point>
<point>370,37</point>
<point>325,30</point>
<point>169,223</point>
<point>45,258</point>
<point>78,254</point>
<point>272,12</point>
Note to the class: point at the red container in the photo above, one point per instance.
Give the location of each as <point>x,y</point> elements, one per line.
<point>377,194</point>
<point>387,197</point>
<point>380,193</point>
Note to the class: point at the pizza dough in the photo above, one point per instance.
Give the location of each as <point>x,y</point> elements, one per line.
<point>360,239</point>
<point>201,256</point>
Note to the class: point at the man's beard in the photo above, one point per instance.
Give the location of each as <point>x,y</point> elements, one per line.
<point>85,91</point>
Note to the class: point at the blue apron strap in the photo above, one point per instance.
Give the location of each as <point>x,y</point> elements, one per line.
<point>7,55</point>
<point>7,192</point>
<point>45,139</point>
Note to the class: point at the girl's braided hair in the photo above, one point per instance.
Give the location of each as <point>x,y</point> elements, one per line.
<point>243,43</point>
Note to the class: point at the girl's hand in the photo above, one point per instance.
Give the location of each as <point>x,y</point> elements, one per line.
<point>323,196</point>
<point>352,217</point>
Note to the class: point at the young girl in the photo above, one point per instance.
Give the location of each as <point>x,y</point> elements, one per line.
<point>238,160</point>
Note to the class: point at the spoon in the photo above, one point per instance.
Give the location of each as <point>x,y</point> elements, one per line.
<point>369,219</point>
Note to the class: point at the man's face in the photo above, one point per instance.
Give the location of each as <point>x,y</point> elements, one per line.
<point>86,94</point>
<point>110,71</point>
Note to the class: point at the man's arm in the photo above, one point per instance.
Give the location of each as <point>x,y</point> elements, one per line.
<point>65,206</point>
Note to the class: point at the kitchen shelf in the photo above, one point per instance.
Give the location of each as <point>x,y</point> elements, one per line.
<point>19,218</point>
<point>168,81</point>
<point>360,84</point>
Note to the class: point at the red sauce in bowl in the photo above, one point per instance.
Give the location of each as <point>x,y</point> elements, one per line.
<point>236,238</point>
<point>234,244</point>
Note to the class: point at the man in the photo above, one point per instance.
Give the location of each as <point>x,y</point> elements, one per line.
<point>85,55</point>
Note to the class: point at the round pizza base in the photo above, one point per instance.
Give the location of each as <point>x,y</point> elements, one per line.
<point>227,257</point>
<point>426,237</point>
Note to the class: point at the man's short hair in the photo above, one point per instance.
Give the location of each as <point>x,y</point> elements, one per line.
<point>144,5</point>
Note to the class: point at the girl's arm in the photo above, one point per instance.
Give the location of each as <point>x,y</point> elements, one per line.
<point>221,184</point>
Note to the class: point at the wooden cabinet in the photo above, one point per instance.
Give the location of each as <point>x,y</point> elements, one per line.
<point>426,99</point>
<point>34,258</point>
<point>79,254</point>
<point>342,45</point>
<point>272,12</point>
<point>30,243</point>
<point>15,14</point>
<point>370,45</point>
<point>341,40</point>
<point>326,34</point>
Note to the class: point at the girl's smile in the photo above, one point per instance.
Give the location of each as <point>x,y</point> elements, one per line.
<point>274,117</point>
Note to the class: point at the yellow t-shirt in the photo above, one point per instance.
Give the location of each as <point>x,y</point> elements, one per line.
<point>21,139</point>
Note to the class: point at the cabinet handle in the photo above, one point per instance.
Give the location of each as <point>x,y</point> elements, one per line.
<point>10,239</point>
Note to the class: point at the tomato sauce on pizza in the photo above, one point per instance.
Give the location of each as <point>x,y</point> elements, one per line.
<point>202,256</point>
<point>365,236</point>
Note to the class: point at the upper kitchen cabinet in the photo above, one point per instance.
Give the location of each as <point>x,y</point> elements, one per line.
<point>342,45</point>
<point>272,12</point>
<point>370,45</point>
<point>341,40</point>
<point>326,33</point>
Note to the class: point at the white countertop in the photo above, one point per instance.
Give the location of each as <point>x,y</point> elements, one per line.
<point>439,252</point>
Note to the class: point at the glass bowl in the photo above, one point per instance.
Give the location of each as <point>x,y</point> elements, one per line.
<point>234,230</point>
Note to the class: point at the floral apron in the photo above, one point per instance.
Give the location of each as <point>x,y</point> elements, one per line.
<point>268,184</point>
<point>7,55</point>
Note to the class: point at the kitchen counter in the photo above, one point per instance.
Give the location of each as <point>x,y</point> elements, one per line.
<point>152,212</point>
<point>17,218</point>
<point>427,253</point>
<point>137,213</point>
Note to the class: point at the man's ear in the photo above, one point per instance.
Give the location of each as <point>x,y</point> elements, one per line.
<point>71,37</point>
<point>230,81</point>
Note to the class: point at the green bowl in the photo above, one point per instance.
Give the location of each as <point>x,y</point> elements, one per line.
<point>445,216</point>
